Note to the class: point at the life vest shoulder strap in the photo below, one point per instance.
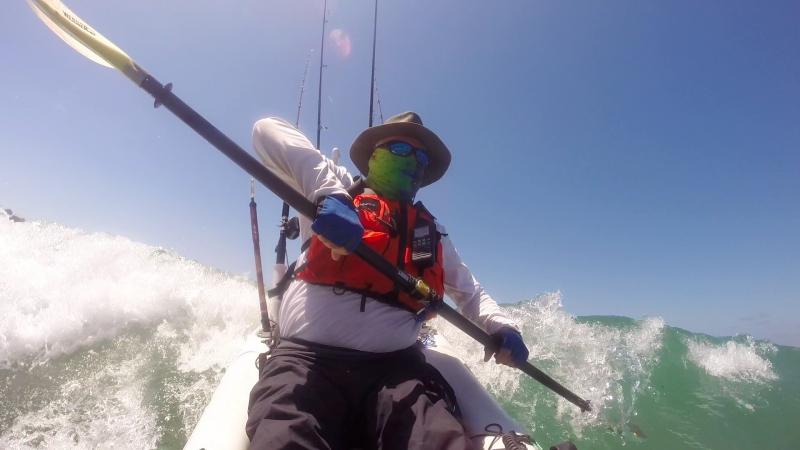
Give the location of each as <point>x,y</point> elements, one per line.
<point>421,208</point>
<point>288,276</point>
<point>283,283</point>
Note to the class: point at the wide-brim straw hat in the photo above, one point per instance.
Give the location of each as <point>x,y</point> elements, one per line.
<point>407,124</point>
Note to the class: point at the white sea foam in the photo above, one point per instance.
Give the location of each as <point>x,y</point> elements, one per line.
<point>101,410</point>
<point>607,365</point>
<point>149,315</point>
<point>732,360</point>
<point>63,289</point>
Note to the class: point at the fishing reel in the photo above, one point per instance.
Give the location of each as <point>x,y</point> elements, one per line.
<point>291,228</point>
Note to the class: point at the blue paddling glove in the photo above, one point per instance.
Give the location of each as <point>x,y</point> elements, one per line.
<point>510,339</point>
<point>338,222</point>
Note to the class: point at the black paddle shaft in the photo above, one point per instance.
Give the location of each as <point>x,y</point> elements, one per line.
<point>164,96</point>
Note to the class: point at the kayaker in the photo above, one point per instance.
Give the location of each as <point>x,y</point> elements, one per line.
<point>346,371</point>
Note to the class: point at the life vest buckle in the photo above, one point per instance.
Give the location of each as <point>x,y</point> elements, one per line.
<point>421,290</point>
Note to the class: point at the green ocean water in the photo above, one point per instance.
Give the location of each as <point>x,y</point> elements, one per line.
<point>736,402</point>
<point>652,386</point>
<point>109,343</point>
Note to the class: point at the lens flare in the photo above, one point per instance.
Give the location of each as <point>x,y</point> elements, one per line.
<point>341,42</point>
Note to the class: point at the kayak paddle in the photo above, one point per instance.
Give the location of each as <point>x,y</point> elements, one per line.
<point>89,43</point>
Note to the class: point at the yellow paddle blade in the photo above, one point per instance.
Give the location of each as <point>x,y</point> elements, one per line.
<point>84,39</point>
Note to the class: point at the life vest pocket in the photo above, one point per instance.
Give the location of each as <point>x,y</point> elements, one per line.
<point>326,271</point>
<point>375,215</point>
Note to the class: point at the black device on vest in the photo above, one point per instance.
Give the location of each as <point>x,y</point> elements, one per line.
<point>423,243</point>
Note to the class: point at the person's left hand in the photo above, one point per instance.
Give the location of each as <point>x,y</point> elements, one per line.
<point>512,350</point>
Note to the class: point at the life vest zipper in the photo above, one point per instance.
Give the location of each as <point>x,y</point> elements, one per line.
<point>403,241</point>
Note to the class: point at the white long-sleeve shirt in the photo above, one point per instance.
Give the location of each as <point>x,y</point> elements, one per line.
<point>315,313</point>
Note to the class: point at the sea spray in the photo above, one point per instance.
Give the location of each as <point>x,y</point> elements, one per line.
<point>608,365</point>
<point>737,370</point>
<point>109,343</point>
<point>738,361</point>
<point>653,386</point>
<point>88,404</point>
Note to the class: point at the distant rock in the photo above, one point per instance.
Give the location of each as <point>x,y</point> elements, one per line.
<point>8,214</point>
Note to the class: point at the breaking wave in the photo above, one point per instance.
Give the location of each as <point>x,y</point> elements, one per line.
<point>740,361</point>
<point>106,342</point>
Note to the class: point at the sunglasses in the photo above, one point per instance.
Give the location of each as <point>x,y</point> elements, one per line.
<point>401,148</point>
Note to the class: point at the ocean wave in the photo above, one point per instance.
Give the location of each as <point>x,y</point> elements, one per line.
<point>606,364</point>
<point>101,409</point>
<point>62,289</point>
<point>732,360</point>
<point>106,342</point>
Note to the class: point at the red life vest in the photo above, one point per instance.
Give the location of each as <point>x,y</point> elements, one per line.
<point>388,229</point>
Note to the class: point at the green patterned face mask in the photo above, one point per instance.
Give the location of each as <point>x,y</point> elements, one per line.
<point>392,176</point>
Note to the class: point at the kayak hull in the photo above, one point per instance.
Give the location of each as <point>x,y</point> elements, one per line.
<point>221,427</point>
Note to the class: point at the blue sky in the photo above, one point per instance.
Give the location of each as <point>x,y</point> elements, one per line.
<point>641,157</point>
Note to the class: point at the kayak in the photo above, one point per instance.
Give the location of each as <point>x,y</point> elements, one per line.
<point>221,427</point>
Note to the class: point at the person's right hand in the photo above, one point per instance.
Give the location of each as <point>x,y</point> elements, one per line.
<point>512,350</point>
<point>337,225</point>
<point>336,251</point>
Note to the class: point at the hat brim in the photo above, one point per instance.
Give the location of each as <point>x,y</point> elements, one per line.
<point>438,154</point>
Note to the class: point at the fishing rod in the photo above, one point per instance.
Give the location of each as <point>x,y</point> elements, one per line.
<point>372,80</point>
<point>321,66</point>
<point>84,39</point>
<point>266,327</point>
<point>302,90</point>
<point>380,108</point>
<point>290,228</point>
